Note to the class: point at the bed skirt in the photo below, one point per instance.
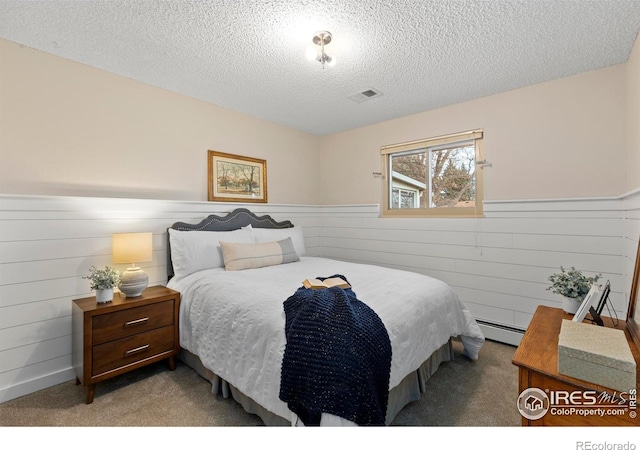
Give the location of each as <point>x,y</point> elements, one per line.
<point>410,388</point>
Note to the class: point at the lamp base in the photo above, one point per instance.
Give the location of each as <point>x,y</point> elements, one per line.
<point>134,281</point>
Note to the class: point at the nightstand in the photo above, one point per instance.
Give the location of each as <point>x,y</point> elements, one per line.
<point>112,338</point>
<point>537,361</point>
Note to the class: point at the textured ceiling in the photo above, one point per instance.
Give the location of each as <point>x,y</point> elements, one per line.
<point>249,55</point>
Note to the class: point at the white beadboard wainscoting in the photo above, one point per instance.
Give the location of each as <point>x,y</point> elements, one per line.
<point>498,265</point>
<point>47,244</point>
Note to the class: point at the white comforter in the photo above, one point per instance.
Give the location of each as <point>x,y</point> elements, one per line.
<point>234,321</point>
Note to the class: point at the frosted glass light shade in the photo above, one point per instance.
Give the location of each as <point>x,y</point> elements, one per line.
<point>132,248</point>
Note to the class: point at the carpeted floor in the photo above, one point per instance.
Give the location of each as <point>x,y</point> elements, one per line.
<point>461,393</point>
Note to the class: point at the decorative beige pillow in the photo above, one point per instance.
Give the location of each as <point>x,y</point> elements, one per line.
<point>252,256</point>
<point>277,234</point>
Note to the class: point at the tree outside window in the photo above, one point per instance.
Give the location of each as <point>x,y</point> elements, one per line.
<point>435,176</point>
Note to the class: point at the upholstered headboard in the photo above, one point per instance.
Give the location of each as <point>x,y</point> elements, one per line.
<point>236,219</point>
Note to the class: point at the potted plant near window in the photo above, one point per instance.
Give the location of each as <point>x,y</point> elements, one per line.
<point>573,286</point>
<point>103,281</point>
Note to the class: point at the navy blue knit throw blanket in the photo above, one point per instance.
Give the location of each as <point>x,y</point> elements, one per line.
<point>337,357</point>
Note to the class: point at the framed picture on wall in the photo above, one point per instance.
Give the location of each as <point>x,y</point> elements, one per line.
<point>235,178</point>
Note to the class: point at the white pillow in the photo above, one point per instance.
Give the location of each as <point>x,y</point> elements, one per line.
<point>192,251</point>
<point>253,256</point>
<point>278,234</point>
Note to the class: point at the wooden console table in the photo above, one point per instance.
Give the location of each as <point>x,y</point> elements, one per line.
<point>537,361</point>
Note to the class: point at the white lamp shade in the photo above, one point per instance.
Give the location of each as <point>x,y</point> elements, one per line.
<point>130,248</point>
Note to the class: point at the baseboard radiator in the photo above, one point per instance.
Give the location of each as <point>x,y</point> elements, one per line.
<point>501,333</point>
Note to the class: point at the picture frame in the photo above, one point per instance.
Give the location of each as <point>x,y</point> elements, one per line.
<point>604,297</point>
<point>235,178</point>
<point>596,310</point>
<point>588,302</point>
<point>633,312</point>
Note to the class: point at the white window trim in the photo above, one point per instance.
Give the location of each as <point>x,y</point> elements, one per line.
<point>416,198</point>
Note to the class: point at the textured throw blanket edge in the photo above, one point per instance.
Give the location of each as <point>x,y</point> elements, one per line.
<point>337,357</point>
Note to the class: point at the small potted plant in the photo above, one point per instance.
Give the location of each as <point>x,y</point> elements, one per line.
<point>103,281</point>
<point>573,285</point>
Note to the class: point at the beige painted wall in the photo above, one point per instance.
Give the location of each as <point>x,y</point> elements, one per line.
<point>561,139</point>
<point>70,129</point>
<point>633,117</point>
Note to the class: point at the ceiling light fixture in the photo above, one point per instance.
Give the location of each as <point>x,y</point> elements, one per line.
<point>320,39</point>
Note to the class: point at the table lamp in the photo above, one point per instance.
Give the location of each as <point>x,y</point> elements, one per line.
<point>132,248</point>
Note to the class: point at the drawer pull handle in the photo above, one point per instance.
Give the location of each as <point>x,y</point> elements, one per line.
<point>136,350</point>
<point>136,322</point>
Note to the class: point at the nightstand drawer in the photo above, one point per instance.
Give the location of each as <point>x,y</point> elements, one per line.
<point>109,327</point>
<point>128,350</point>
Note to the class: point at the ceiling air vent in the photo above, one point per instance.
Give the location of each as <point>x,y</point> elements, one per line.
<point>365,95</point>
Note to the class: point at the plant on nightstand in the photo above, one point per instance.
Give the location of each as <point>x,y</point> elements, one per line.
<point>573,285</point>
<point>103,281</point>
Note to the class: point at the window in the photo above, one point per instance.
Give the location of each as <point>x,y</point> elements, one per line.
<point>404,198</point>
<point>434,177</point>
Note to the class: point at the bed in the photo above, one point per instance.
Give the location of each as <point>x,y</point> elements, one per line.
<point>232,318</point>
